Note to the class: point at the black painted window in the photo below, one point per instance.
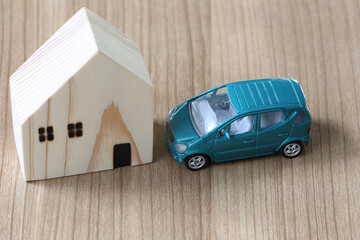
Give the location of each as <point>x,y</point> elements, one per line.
<point>79,131</point>
<point>71,132</point>
<point>42,138</point>
<point>78,125</point>
<point>41,130</point>
<point>49,134</point>
<point>50,129</point>
<point>75,130</point>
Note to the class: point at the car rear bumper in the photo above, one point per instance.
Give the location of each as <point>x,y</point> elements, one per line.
<point>306,139</point>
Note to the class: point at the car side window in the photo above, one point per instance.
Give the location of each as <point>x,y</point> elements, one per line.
<point>242,125</point>
<point>268,119</point>
<point>300,118</point>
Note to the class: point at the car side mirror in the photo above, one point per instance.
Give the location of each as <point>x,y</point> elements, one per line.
<point>227,135</point>
<point>225,132</point>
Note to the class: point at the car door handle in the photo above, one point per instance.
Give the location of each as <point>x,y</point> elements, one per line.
<point>283,134</point>
<point>249,141</point>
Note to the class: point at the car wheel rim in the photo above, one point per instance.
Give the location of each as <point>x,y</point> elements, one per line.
<point>196,162</point>
<point>292,149</point>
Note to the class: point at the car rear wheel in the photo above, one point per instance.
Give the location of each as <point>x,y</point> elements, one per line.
<point>197,162</point>
<point>292,149</point>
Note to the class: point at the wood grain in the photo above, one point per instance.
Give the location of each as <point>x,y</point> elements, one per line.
<point>191,46</point>
<point>112,127</point>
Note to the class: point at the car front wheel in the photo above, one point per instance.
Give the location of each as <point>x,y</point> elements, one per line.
<point>197,162</point>
<point>292,149</point>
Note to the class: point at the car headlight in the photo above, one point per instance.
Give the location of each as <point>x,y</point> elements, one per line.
<point>180,148</point>
<point>169,115</point>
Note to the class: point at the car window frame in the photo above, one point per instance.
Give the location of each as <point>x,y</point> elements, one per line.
<point>298,111</point>
<point>285,119</point>
<point>292,116</point>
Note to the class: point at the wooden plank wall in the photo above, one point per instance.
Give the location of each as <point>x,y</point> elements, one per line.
<point>190,46</point>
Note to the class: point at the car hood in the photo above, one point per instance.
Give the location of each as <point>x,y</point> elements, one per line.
<point>181,124</point>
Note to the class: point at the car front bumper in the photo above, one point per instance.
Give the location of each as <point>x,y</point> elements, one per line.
<point>178,157</point>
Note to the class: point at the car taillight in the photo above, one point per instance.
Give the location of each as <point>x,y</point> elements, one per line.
<point>309,129</point>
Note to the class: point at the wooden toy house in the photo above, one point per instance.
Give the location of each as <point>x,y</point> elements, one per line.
<point>83,102</point>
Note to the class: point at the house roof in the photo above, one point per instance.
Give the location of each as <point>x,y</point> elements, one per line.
<point>65,53</point>
<point>265,93</point>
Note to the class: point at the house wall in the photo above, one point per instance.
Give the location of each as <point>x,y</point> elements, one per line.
<point>18,136</point>
<point>114,107</point>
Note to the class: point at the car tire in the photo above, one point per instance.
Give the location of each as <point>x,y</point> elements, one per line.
<point>292,149</point>
<point>196,162</point>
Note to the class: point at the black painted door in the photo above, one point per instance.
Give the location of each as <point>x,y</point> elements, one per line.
<point>122,155</point>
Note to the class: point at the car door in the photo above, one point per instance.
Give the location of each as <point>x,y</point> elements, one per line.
<point>236,140</point>
<point>274,129</point>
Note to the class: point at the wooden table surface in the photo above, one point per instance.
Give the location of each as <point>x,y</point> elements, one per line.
<point>191,46</point>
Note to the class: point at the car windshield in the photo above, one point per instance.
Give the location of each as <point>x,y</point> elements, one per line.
<point>210,110</point>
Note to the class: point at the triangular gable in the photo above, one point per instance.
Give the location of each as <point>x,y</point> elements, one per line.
<point>118,47</point>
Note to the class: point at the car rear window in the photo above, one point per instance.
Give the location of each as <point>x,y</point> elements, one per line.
<point>300,118</point>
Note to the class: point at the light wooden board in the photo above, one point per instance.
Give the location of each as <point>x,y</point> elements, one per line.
<point>190,46</point>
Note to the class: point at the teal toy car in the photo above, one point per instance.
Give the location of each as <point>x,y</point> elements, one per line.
<point>240,120</point>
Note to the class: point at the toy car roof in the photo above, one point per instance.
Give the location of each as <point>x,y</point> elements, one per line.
<point>255,95</point>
